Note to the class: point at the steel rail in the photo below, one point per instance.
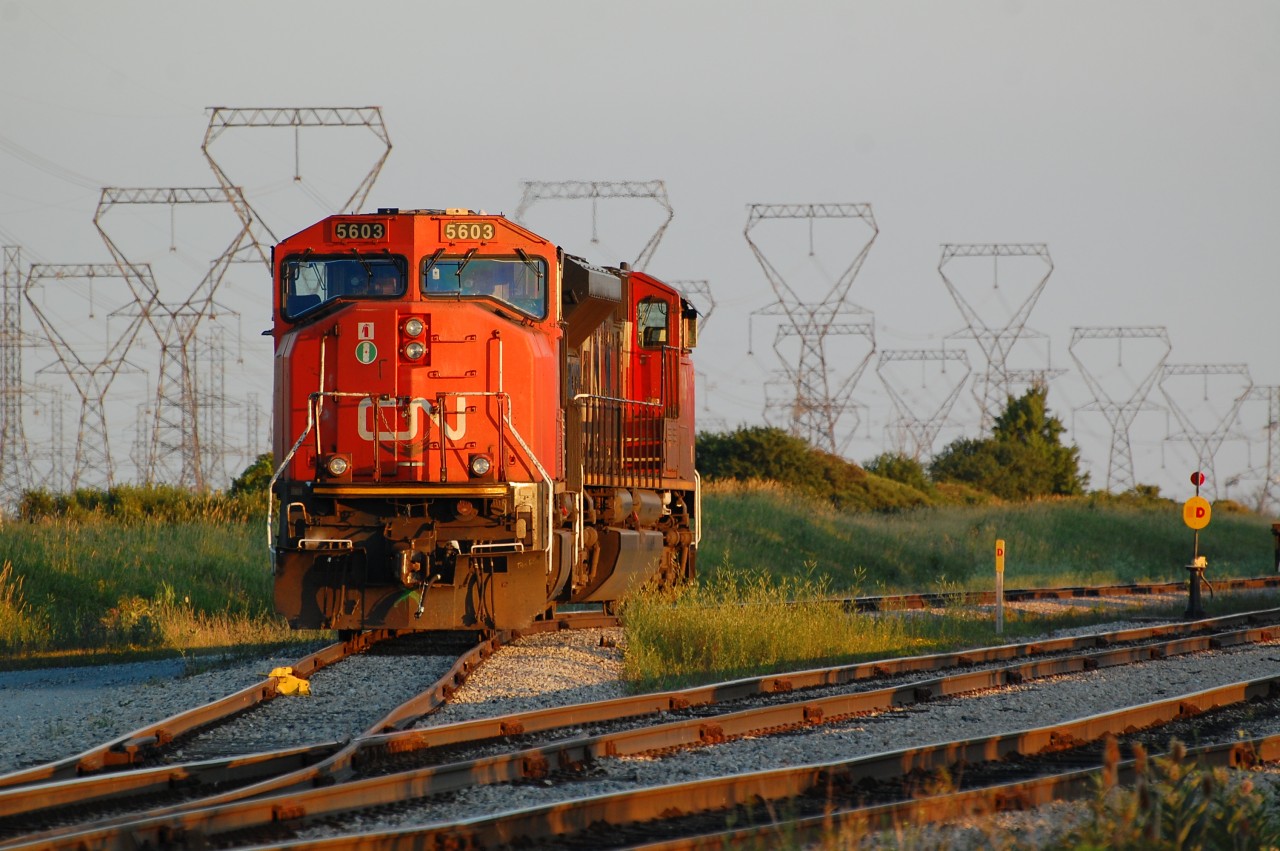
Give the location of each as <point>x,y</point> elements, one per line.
<point>338,767</point>
<point>545,720</point>
<point>300,805</point>
<point>983,801</point>
<point>893,602</point>
<point>276,769</point>
<point>132,748</point>
<point>599,816</point>
<point>214,773</point>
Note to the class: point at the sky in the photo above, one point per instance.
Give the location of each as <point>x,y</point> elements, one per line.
<point>1136,141</point>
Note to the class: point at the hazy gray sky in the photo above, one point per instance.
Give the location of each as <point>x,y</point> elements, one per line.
<point>1138,140</point>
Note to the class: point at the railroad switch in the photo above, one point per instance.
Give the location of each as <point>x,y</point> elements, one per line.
<point>1196,569</point>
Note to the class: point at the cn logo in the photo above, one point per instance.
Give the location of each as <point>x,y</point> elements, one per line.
<point>387,415</point>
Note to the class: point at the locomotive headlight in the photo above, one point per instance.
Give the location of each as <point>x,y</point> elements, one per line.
<point>414,350</point>
<point>338,465</point>
<point>414,327</point>
<point>480,465</point>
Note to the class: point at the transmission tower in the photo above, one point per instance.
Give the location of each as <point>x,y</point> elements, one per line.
<point>1121,400</point>
<point>1269,472</point>
<point>253,428</point>
<point>92,377</point>
<point>1206,422</point>
<point>999,320</point>
<point>699,294</point>
<point>813,396</point>
<point>14,466</point>
<point>178,449</point>
<point>212,403</point>
<point>596,191</point>
<point>222,119</point>
<point>919,417</point>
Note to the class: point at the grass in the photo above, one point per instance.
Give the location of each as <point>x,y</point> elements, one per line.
<point>1176,803</point>
<point>117,573</point>
<point>743,624</point>
<point>1079,541</point>
<point>103,586</point>
<point>775,554</point>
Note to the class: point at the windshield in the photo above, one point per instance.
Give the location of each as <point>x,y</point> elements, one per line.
<point>312,281</point>
<point>514,280</point>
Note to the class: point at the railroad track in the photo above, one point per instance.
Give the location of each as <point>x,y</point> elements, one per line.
<point>554,750</point>
<point>894,602</point>
<point>126,769</point>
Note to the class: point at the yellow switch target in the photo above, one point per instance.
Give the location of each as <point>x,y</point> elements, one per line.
<point>1196,512</point>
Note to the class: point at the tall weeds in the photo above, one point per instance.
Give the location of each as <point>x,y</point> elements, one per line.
<point>102,583</point>
<point>735,624</point>
<point>19,623</point>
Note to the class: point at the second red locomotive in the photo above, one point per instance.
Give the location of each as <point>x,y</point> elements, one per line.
<point>472,426</point>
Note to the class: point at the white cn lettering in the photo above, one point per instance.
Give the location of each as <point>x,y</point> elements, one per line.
<point>365,425</point>
<point>460,408</point>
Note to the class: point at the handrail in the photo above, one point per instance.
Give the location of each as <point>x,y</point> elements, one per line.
<point>315,399</point>
<point>313,407</point>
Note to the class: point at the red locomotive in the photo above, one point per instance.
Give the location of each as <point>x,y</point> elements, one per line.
<point>472,426</point>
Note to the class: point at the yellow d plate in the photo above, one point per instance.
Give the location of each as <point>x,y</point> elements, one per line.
<point>1196,512</point>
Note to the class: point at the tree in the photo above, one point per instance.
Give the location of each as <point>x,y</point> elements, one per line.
<point>1023,458</point>
<point>255,477</point>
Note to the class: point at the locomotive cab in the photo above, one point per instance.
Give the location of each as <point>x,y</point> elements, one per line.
<point>471,426</point>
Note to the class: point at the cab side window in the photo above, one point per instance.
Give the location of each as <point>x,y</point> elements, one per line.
<point>653,322</point>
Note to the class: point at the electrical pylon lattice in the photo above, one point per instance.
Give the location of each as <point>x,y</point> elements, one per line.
<point>815,398</point>
<point>180,454</point>
<point>1206,422</point>
<point>222,119</point>
<point>699,294</point>
<point>918,415</point>
<point>92,377</point>
<point>1122,398</point>
<point>14,461</point>
<point>1268,473</point>
<point>596,191</point>
<point>999,321</point>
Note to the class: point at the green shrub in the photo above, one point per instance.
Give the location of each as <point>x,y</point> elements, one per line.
<point>758,453</point>
<point>900,468</point>
<point>1176,804</point>
<point>1023,458</point>
<point>256,476</point>
<point>141,503</point>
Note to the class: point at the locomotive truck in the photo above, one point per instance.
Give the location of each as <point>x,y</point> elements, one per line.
<point>472,426</point>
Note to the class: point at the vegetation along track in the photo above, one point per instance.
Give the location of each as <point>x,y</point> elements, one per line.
<point>446,774</point>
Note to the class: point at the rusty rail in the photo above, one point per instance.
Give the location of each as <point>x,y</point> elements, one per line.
<point>892,602</point>
<point>302,805</point>
<point>278,769</point>
<point>598,817</point>
<point>131,748</point>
